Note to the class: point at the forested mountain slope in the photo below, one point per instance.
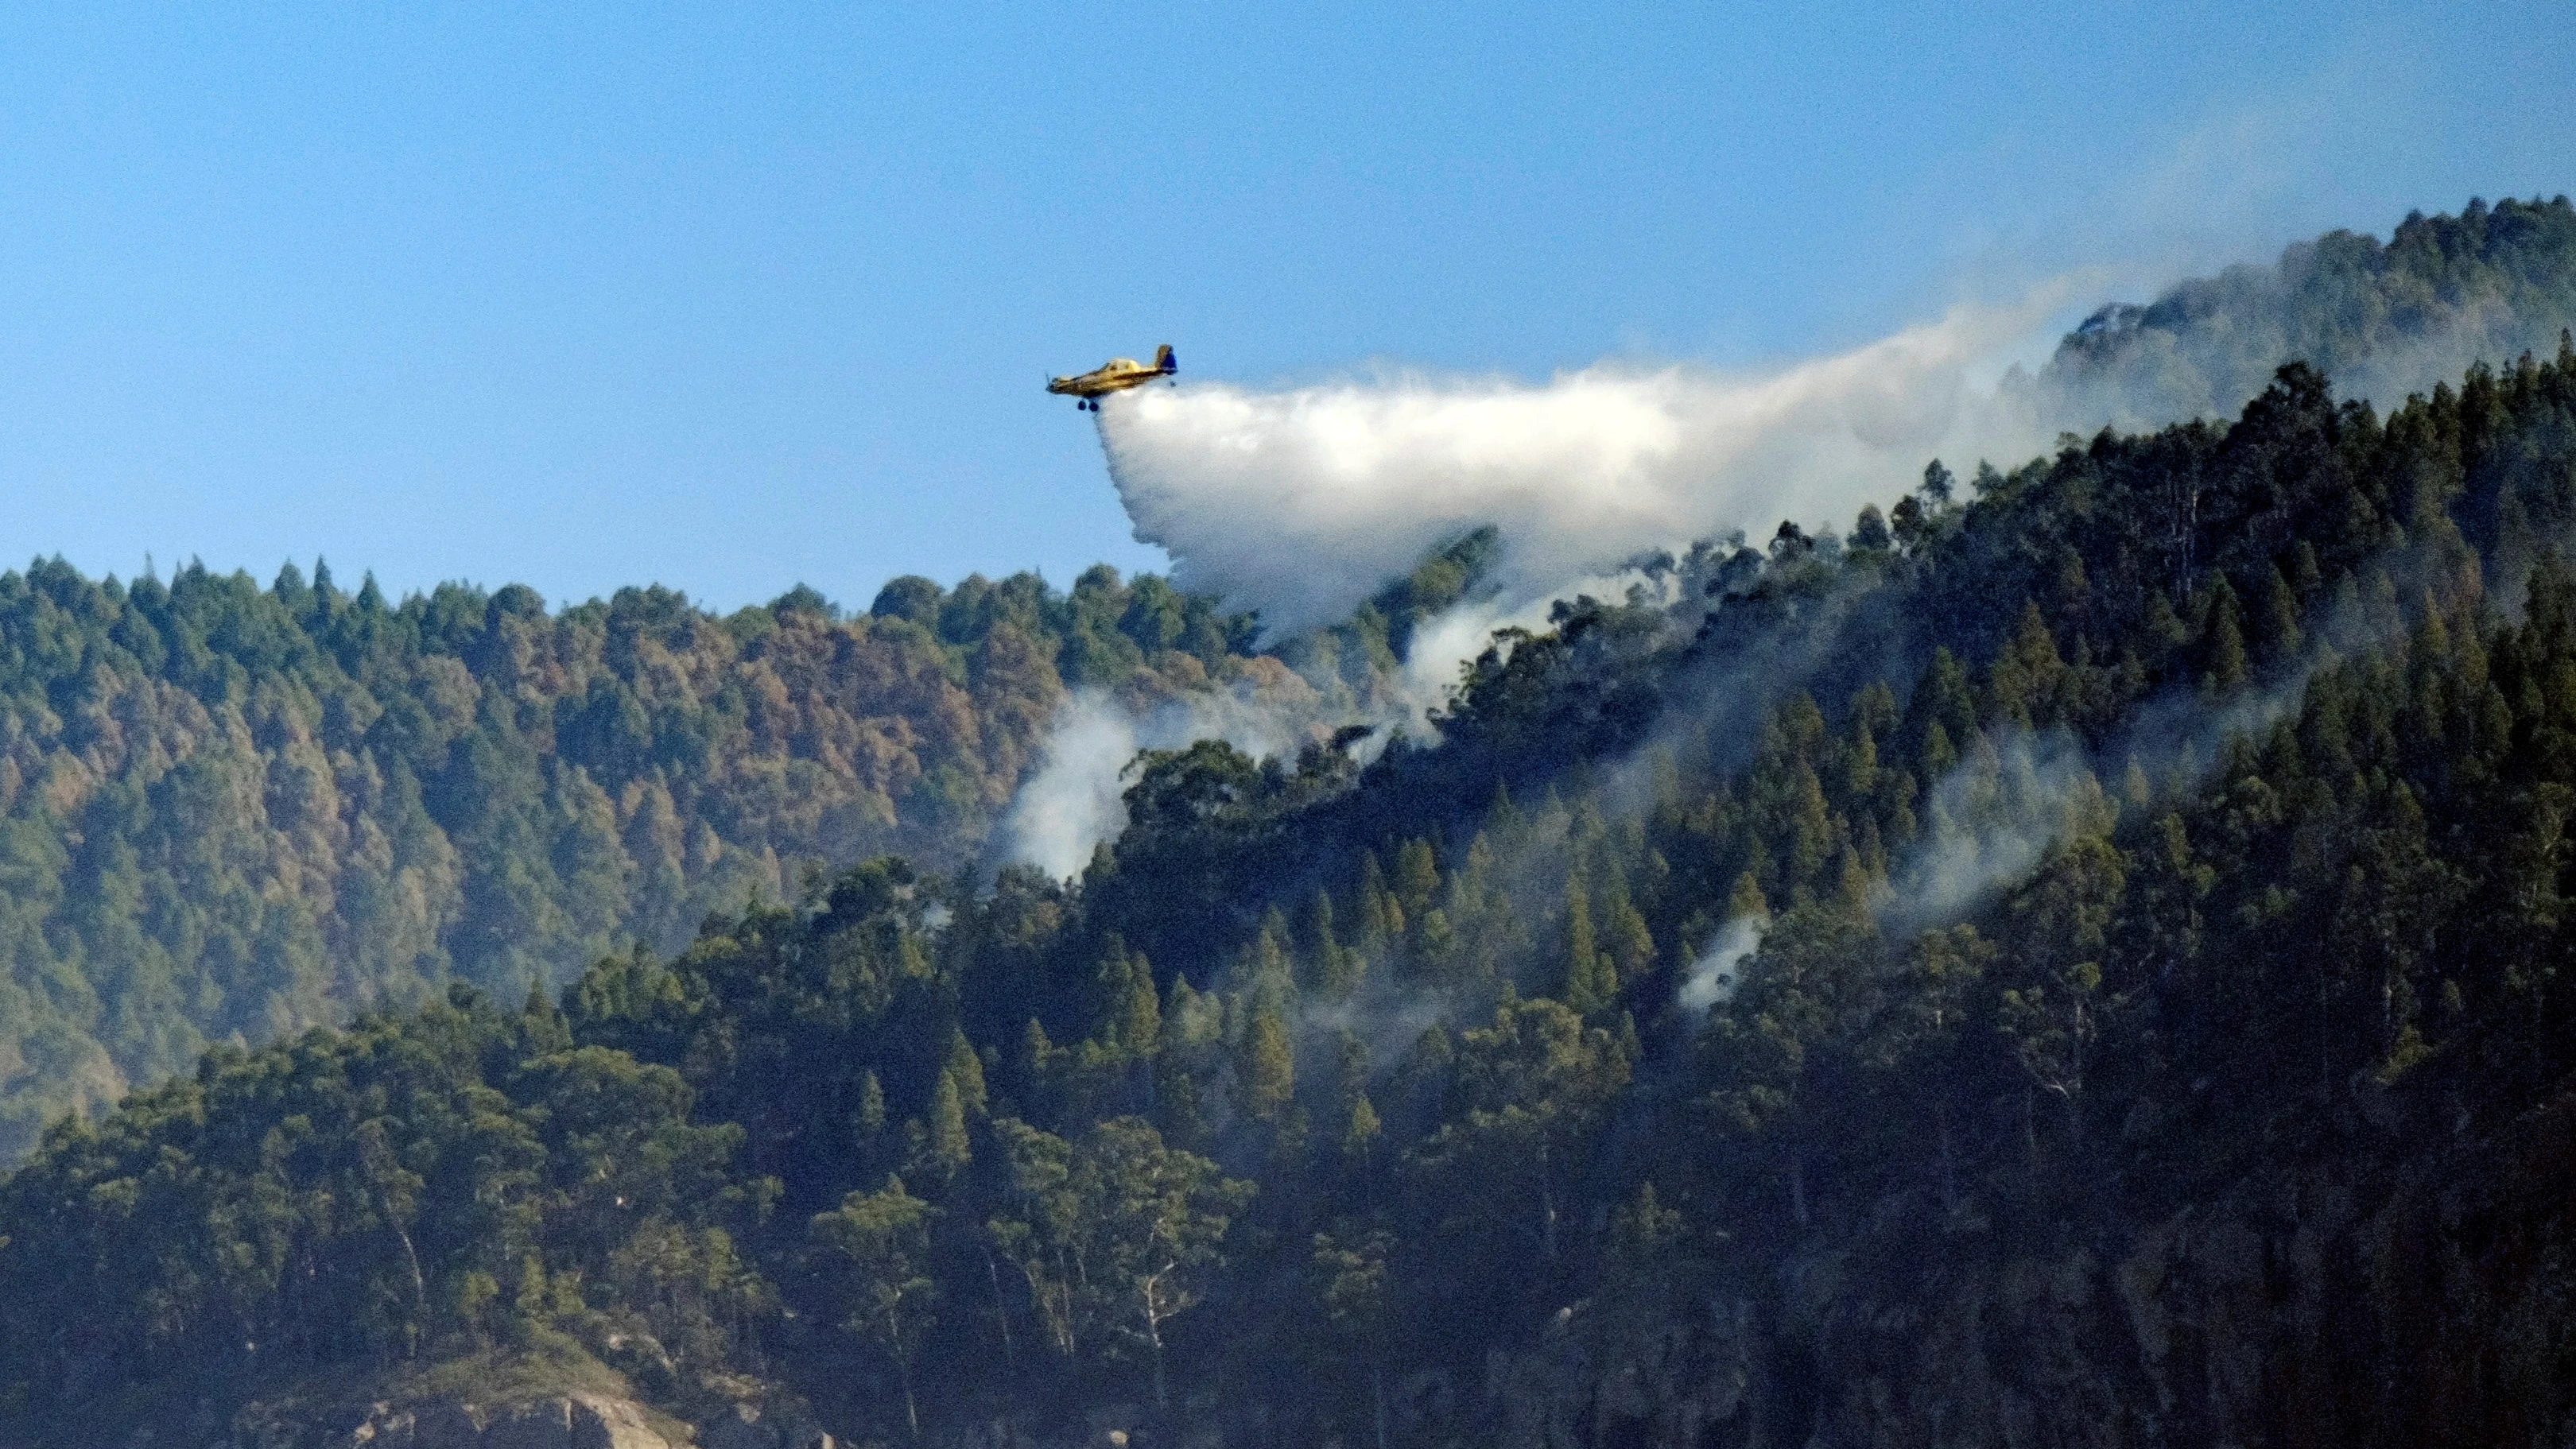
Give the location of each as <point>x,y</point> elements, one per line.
<point>2384,320</point>
<point>229,812</point>
<point>2071,959</point>
<point>2108,994</point>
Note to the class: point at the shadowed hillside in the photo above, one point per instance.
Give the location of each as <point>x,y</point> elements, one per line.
<point>2074,963</point>
<point>2073,959</point>
<point>229,812</point>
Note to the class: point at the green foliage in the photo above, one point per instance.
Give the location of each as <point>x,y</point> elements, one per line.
<point>882,1241</point>
<point>2489,282</point>
<point>362,1196</point>
<point>1329,1095</point>
<point>229,813</point>
<point>1266,1073</point>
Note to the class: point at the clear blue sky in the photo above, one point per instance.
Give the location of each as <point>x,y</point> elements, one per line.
<point>733,297</point>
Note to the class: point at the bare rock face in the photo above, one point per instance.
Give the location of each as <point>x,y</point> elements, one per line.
<point>573,1421</point>
<point>761,1418</point>
<point>746,1426</point>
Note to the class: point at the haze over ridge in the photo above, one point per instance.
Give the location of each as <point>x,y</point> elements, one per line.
<point>1300,503</point>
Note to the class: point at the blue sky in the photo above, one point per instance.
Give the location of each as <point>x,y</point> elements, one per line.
<point>730,298</point>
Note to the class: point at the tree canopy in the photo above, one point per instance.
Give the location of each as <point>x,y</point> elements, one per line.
<point>2076,961</point>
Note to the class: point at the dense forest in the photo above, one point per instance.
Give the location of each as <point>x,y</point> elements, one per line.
<point>228,813</point>
<point>2070,959</point>
<point>2384,320</point>
<point>231,813</point>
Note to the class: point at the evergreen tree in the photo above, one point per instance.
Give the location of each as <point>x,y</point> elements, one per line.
<point>2223,644</point>
<point>1588,985</point>
<point>949,1147</point>
<point>871,1118</point>
<point>1265,1071</point>
<point>967,1072</point>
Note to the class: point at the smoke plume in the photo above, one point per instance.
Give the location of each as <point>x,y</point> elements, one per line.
<point>1301,504</point>
<point>1712,976</point>
<point>1076,799</point>
<point>1998,813</point>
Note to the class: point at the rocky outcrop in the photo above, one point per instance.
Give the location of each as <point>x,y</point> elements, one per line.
<point>576,1421</point>
<point>570,1421</point>
<point>573,1420</point>
<point>748,1424</point>
<point>731,1413</point>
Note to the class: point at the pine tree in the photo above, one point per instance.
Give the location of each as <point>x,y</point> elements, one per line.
<point>1417,877</point>
<point>871,1118</point>
<point>1337,969</point>
<point>1265,1069</point>
<point>1590,981</point>
<point>2282,638</point>
<point>2136,793</point>
<point>1745,902</point>
<point>1110,982</point>
<point>1381,919</point>
<point>1269,968</point>
<point>968,1072</point>
<point>1859,772</point>
<point>1189,1016</point>
<point>2223,643</point>
<point>2038,671</point>
<point>1631,949</point>
<point>949,1147</point>
<point>1944,697</point>
<point>1810,832</point>
<point>1504,821</point>
<point>1140,1028</point>
<point>1642,1231</point>
<point>2305,579</point>
<point>1362,1128</point>
<point>1853,887</point>
<point>2070,592</point>
<point>1940,753</point>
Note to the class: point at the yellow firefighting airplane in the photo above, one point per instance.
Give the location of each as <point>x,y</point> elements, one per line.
<point>1116,375</point>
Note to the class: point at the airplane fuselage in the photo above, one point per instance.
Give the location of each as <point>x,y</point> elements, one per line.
<point>1116,375</point>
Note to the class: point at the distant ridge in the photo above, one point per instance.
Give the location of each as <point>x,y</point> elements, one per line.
<point>2381,320</point>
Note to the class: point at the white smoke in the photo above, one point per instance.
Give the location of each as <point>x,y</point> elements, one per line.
<point>1301,504</point>
<point>1071,803</point>
<point>1443,643</point>
<point>1993,818</point>
<point>1712,976</point>
<point>1076,799</point>
<point>1997,814</point>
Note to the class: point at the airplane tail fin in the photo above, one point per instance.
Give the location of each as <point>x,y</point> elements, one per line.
<point>1164,361</point>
